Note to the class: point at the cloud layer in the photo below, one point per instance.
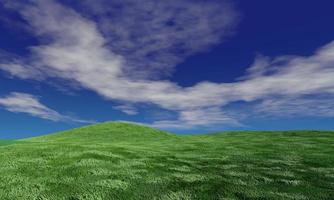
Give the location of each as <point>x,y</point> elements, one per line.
<point>29,104</point>
<point>98,55</point>
<point>153,37</point>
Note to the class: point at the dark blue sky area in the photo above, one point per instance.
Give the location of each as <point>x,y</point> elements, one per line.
<point>271,28</point>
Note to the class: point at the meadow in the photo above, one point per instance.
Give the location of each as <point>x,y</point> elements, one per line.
<point>127,161</point>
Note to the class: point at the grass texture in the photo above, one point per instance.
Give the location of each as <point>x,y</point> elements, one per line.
<point>127,161</point>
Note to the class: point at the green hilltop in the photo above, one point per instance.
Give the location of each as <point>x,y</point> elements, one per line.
<point>127,161</point>
<point>106,132</point>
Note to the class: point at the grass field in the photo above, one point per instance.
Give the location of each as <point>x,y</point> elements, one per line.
<point>6,142</point>
<point>126,161</point>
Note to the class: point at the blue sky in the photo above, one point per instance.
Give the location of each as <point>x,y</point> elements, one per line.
<point>186,66</point>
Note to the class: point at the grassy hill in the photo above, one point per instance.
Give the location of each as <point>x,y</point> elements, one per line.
<point>127,161</point>
<point>6,142</point>
<point>106,132</point>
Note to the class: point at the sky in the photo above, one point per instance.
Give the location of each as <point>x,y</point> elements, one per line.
<point>185,66</point>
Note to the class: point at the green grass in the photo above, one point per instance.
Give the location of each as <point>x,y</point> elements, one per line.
<point>126,161</point>
<point>6,142</point>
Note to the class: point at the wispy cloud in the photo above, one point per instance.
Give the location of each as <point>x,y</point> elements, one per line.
<point>204,118</point>
<point>29,104</point>
<point>128,109</point>
<point>153,37</point>
<point>74,49</point>
<point>320,106</point>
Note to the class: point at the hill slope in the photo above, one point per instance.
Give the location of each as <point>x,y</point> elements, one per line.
<point>106,132</point>
<point>126,161</point>
<point>6,142</point>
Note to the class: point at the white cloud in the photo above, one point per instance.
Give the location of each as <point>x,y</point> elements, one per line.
<point>74,48</point>
<point>198,118</point>
<point>322,106</point>
<point>29,104</point>
<point>154,36</point>
<point>128,109</point>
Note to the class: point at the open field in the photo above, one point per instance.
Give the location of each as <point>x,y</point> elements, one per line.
<point>126,161</point>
